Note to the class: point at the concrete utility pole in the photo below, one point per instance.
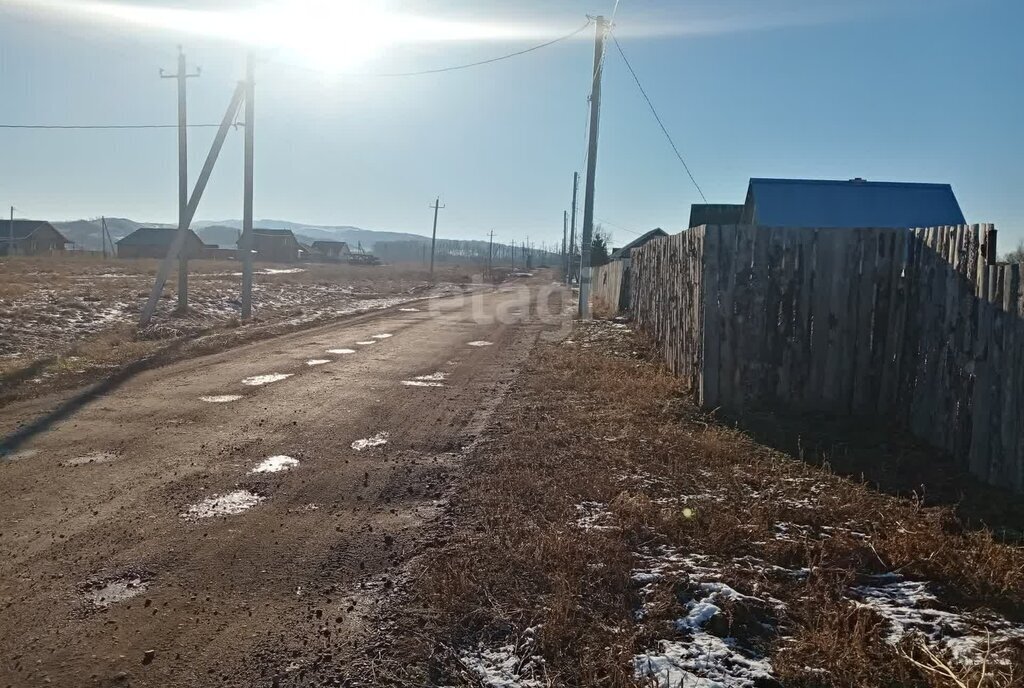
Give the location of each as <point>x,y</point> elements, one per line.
<point>10,235</point>
<point>182,76</point>
<point>588,199</point>
<point>245,243</point>
<point>433,237</point>
<point>103,235</point>
<point>572,229</point>
<point>490,256</point>
<point>565,238</point>
<point>193,204</point>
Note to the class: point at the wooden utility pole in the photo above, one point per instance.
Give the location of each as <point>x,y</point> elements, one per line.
<point>182,76</point>
<point>103,236</point>
<point>588,198</point>
<point>433,237</point>
<point>245,242</point>
<point>572,230</point>
<point>10,235</point>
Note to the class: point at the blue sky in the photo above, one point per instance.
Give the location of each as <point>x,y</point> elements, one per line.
<point>906,90</point>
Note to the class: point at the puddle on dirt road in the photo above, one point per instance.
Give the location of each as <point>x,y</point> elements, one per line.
<point>94,458</point>
<point>108,592</point>
<point>341,351</point>
<point>385,335</point>
<point>375,441</point>
<point>257,380</point>
<point>367,343</point>
<point>228,504</point>
<point>479,342</point>
<point>317,361</point>
<point>276,464</point>
<point>221,398</point>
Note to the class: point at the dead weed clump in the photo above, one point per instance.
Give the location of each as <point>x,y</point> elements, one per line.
<point>630,536</point>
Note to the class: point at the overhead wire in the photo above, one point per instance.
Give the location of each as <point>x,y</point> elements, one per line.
<point>103,126</point>
<point>658,118</point>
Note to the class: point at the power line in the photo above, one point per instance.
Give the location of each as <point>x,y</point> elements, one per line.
<point>656,117</point>
<point>102,126</point>
<point>482,62</point>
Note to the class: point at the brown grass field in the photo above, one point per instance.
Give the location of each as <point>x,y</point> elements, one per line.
<point>605,529</point>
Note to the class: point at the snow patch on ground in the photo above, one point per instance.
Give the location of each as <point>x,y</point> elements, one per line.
<point>276,464</point>
<point>593,516</point>
<point>479,342</point>
<point>317,361</point>
<point>94,458</point>
<point>105,593</point>
<point>421,383</point>
<point>377,440</point>
<point>367,342</point>
<point>228,504</point>
<point>341,351</point>
<point>383,335</point>
<point>508,666</point>
<point>257,380</point>
<point>911,609</point>
<point>221,398</point>
<point>409,310</point>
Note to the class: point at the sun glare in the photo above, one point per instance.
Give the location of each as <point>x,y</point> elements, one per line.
<point>330,35</point>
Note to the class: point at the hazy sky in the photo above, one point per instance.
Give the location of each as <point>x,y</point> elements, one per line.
<point>907,90</point>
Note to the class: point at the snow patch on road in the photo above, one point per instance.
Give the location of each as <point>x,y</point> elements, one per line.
<point>105,593</point>
<point>276,464</point>
<point>95,457</point>
<point>377,440</point>
<point>367,342</point>
<point>257,380</point>
<point>479,342</point>
<point>341,351</point>
<point>317,361</point>
<point>229,504</point>
<point>221,398</point>
<point>384,335</point>
<point>409,310</point>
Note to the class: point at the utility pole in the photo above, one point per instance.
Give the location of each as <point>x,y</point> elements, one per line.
<point>103,235</point>
<point>433,237</point>
<point>565,238</point>
<point>490,256</point>
<point>588,199</point>
<point>182,76</point>
<point>572,229</point>
<point>10,235</point>
<point>245,242</point>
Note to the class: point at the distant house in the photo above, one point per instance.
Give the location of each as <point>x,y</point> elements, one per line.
<point>624,252</point>
<point>31,238</point>
<point>275,245</point>
<point>335,250</point>
<point>715,214</point>
<point>849,204</point>
<point>155,242</point>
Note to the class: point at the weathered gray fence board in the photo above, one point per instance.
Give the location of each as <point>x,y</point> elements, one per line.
<point>914,325</point>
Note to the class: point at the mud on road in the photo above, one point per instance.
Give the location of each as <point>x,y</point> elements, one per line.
<point>231,520</point>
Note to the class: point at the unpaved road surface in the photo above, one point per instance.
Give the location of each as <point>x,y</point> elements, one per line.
<point>113,570</point>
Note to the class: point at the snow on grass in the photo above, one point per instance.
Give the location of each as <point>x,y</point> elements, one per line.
<point>276,464</point>
<point>593,516</point>
<point>257,380</point>
<point>911,609</point>
<point>508,666</point>
<point>229,504</point>
<point>702,657</point>
<point>377,440</point>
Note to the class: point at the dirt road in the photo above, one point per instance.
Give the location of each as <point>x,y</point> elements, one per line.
<point>146,540</point>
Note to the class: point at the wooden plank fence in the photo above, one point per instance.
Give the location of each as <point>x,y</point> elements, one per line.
<point>610,286</point>
<point>917,325</point>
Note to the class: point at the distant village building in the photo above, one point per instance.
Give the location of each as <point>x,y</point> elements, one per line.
<point>624,252</point>
<point>275,245</point>
<point>335,250</point>
<point>31,238</point>
<point>155,242</point>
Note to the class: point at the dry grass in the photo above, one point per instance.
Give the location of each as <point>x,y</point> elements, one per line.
<point>587,426</point>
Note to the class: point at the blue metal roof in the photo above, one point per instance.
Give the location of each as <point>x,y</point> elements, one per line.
<point>854,203</point>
